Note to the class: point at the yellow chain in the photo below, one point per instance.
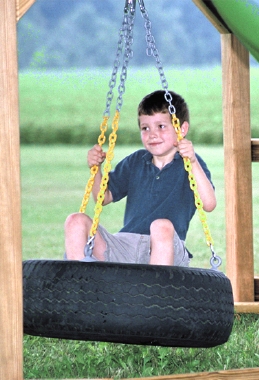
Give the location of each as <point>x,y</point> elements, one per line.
<point>95,168</point>
<point>105,178</point>
<point>193,185</point>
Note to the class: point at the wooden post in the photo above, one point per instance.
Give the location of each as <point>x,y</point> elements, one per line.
<point>11,327</point>
<point>238,172</point>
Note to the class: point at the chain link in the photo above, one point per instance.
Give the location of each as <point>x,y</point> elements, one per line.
<point>151,47</point>
<point>116,66</point>
<point>125,37</point>
<point>94,169</point>
<point>153,51</point>
<point>105,178</point>
<point>130,6</point>
<point>128,54</point>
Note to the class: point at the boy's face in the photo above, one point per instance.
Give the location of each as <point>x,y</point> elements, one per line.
<point>158,134</point>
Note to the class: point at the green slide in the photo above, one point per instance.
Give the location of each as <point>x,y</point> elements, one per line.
<point>242,18</point>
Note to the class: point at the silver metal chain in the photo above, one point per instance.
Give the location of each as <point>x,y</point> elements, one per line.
<point>153,51</point>
<point>126,41</point>
<point>116,66</point>
<point>128,54</point>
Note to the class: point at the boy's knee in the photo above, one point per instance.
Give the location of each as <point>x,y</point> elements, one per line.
<point>161,227</point>
<point>76,220</point>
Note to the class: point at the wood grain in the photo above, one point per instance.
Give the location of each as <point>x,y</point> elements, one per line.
<point>11,329</point>
<point>238,172</point>
<point>22,6</point>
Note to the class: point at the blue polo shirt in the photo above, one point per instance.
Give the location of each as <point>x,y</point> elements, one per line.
<point>153,193</point>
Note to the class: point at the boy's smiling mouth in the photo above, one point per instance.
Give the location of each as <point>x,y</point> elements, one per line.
<point>154,143</point>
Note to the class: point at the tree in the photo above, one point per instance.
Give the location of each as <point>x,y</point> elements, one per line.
<point>61,34</point>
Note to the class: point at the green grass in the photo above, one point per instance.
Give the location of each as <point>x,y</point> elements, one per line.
<point>50,359</point>
<point>67,107</point>
<point>53,181</point>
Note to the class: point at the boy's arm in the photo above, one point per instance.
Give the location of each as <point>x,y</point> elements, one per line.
<point>205,188</point>
<point>96,156</point>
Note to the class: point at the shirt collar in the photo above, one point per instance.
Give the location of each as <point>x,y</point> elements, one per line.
<point>147,157</point>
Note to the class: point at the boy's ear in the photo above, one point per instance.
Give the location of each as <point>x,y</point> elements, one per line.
<point>185,128</point>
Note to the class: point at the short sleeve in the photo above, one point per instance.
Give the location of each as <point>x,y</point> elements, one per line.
<point>119,179</point>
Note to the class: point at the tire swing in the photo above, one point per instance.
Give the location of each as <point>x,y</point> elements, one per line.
<point>129,303</point>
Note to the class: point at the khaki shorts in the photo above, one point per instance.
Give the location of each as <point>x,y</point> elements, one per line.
<point>125,247</point>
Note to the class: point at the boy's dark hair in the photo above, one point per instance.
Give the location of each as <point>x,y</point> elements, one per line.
<point>156,103</point>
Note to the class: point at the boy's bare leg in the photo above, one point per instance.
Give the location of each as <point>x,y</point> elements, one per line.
<point>162,242</point>
<point>77,228</point>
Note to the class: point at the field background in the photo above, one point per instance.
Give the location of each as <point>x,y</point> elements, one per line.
<point>67,106</point>
<point>60,117</point>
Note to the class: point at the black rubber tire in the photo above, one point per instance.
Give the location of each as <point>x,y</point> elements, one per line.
<point>127,303</point>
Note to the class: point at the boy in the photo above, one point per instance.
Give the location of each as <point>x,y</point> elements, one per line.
<point>160,203</point>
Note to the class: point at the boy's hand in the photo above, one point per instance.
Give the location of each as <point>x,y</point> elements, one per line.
<point>186,149</point>
<point>95,156</point>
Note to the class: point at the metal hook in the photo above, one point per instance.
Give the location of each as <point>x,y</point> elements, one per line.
<point>90,245</point>
<point>130,5</point>
<point>88,252</point>
<point>142,6</point>
<point>215,260</point>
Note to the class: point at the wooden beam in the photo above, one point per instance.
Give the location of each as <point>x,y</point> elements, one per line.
<point>205,7</point>
<point>247,374</point>
<point>22,6</point>
<point>11,328</point>
<point>246,307</point>
<point>238,173</point>
<point>255,150</point>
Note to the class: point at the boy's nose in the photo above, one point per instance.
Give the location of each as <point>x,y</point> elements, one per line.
<point>153,133</point>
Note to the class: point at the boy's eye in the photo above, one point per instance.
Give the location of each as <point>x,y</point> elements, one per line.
<point>144,128</point>
<point>161,126</point>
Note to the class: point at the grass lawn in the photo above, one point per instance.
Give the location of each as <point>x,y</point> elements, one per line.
<point>53,181</point>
